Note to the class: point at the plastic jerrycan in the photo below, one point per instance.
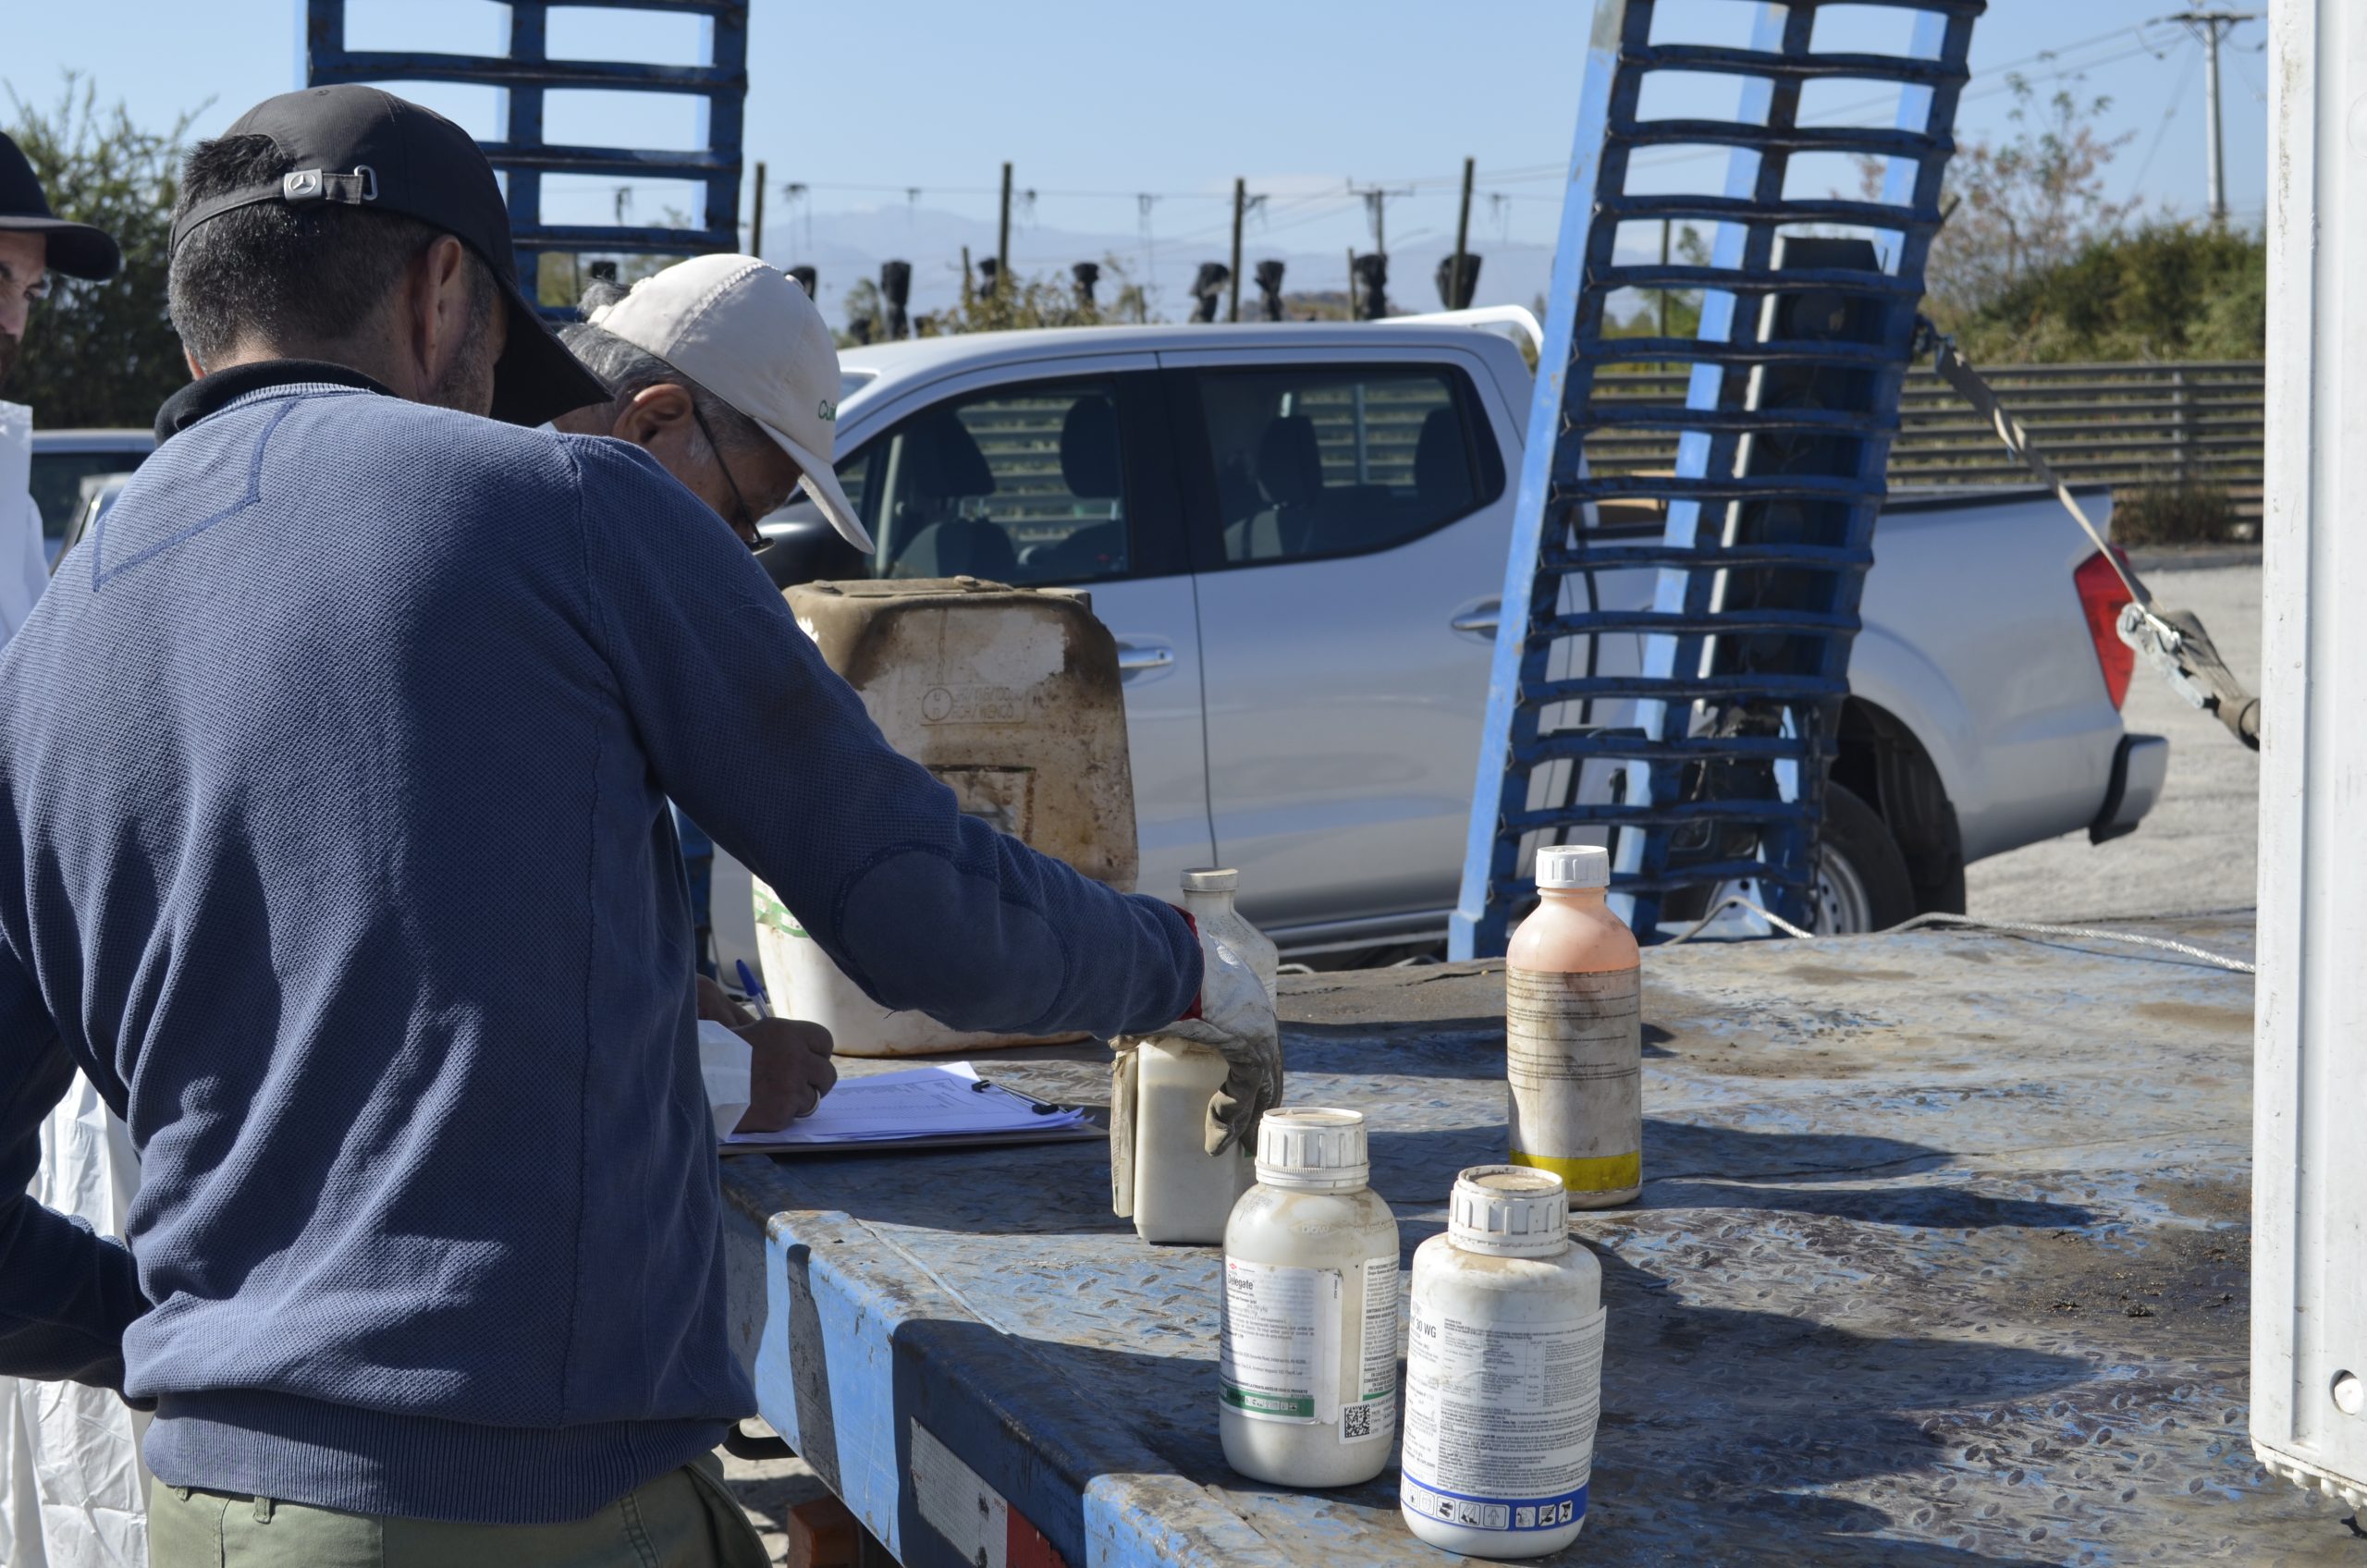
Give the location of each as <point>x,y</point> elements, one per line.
<point>1011,698</point>
<point>1162,1176</point>
<point>1574,1047</point>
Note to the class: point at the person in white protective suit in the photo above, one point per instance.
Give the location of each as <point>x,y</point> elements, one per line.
<point>73,1492</point>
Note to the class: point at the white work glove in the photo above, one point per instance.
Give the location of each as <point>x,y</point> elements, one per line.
<point>1237,1020</point>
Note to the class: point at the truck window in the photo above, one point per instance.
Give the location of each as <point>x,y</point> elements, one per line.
<point>1020,485</point>
<point>1338,459</point>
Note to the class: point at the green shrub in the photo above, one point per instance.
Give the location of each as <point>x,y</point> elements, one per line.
<point>2172,511</point>
<point>2163,291</point>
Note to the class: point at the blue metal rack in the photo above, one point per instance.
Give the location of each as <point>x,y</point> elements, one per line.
<point>527,72</point>
<point>1715,776</point>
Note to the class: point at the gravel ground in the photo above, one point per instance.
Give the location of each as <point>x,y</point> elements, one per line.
<point>2196,850</point>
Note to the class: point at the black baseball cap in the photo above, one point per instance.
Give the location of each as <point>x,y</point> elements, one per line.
<point>75,249</point>
<point>366,148</point>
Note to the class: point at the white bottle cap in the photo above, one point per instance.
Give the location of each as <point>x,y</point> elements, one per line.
<point>1509,1210</point>
<point>1212,880</point>
<point>1573,866</point>
<point>1322,1149</point>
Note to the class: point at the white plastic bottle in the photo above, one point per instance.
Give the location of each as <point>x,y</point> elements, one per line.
<point>1160,1171</point>
<point>1504,1371</point>
<point>1208,899</point>
<point>1573,1041</point>
<point>1308,1359</point>
<point>1180,1193</point>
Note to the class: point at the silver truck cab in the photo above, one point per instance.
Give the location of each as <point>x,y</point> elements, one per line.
<point>1297,534</point>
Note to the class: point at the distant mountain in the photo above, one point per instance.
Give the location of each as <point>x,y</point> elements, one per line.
<point>848,246</point>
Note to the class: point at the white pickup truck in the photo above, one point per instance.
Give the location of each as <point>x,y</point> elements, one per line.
<point>1297,534</point>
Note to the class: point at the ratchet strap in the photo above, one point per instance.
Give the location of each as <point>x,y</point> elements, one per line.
<point>2172,641</point>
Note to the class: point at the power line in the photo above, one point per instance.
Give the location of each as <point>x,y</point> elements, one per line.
<point>2095,52</point>
<point>2177,101</point>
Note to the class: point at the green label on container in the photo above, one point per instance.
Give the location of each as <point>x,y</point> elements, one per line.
<point>1279,1349</point>
<point>1289,1407</point>
<point>772,913</point>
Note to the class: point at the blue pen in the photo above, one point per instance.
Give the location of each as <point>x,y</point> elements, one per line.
<point>754,988</point>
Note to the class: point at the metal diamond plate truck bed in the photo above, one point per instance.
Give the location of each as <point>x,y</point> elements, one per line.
<point>1941,1259</point>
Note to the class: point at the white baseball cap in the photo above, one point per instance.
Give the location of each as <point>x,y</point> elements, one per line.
<point>747,333</point>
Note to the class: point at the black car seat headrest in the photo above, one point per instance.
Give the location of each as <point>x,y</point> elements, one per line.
<point>1089,465</point>
<point>1442,467</point>
<point>1290,464</point>
<point>947,463</point>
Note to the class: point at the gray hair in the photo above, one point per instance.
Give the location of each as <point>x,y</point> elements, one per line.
<point>628,368</point>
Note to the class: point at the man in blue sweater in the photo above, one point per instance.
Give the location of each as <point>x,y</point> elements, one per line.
<point>427,1265</point>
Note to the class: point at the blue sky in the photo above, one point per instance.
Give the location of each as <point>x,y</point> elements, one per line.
<point>1100,106</point>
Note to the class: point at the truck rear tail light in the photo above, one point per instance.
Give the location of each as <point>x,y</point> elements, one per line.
<point>2101,596</point>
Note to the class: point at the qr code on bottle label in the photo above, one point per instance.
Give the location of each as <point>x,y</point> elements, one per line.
<point>1356,1421</point>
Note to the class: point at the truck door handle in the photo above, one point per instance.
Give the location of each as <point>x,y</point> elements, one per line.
<point>1134,658</point>
<point>1479,619</point>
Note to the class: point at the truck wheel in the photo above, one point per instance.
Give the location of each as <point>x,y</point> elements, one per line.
<point>1861,883</point>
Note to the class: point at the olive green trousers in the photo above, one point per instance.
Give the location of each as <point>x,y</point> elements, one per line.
<point>686,1519</point>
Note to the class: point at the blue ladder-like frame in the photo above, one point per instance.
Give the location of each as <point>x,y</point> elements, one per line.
<point>527,72</point>
<point>1663,759</point>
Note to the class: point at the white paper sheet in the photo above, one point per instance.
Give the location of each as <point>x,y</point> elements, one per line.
<point>725,1063</point>
<point>945,1099</point>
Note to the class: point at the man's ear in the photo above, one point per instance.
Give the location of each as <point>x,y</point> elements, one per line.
<point>654,413</point>
<point>439,286</point>
<point>196,371</point>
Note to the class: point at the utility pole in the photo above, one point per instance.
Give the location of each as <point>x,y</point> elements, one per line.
<point>1463,231</point>
<point>1376,205</point>
<point>2212,26</point>
<point>756,219</point>
<point>1665,227</point>
<point>1240,207</point>
<point>1002,235</point>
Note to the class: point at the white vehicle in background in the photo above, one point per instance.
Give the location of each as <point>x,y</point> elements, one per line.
<point>1297,534</point>
<point>65,462</point>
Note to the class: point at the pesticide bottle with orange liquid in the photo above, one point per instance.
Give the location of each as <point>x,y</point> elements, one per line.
<point>1574,1047</point>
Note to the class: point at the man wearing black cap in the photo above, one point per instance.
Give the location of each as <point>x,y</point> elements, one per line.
<point>334,847</point>
<point>34,244</point>
<point>68,1456</point>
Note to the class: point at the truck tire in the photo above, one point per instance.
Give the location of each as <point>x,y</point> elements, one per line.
<point>1862,885</point>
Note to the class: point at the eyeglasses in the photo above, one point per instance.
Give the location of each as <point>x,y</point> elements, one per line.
<point>742,521</point>
<point>11,290</point>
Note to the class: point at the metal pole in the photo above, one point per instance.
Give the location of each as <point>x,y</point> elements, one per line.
<point>756,219</point>
<point>1240,206</point>
<point>2210,126</point>
<point>1463,232</point>
<point>1664,232</point>
<point>2309,1318</point>
<point>523,127</point>
<point>2212,25</point>
<point>1002,235</point>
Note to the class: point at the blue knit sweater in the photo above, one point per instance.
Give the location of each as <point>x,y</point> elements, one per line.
<point>334,847</point>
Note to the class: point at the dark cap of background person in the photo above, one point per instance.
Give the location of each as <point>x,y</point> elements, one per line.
<point>368,149</point>
<point>75,249</point>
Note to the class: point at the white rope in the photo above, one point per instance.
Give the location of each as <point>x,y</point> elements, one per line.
<point>2015,927</point>
<point>1730,901</point>
<point>2084,933</point>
